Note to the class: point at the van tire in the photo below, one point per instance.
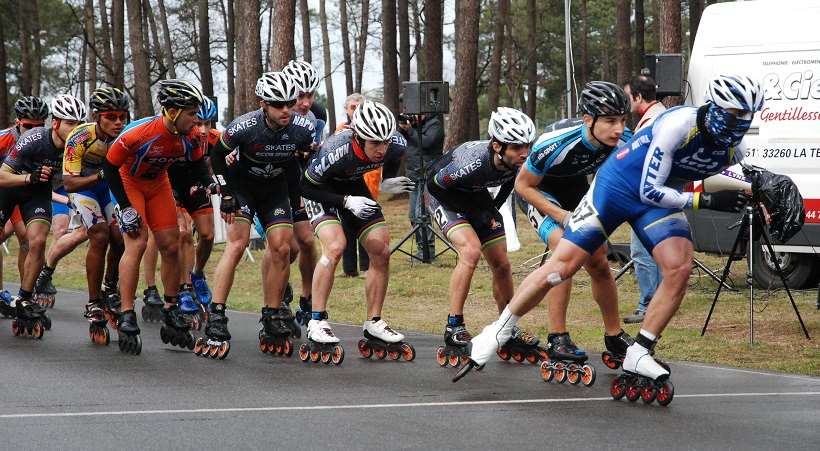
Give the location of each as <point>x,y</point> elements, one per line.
<point>801,270</point>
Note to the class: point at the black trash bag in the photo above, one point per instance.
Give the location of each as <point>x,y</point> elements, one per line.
<point>782,200</point>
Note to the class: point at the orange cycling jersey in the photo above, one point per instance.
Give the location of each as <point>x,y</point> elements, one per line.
<point>8,138</point>
<point>146,148</point>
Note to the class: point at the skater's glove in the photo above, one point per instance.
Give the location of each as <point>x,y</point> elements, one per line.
<point>40,174</point>
<point>730,201</point>
<point>397,185</point>
<point>129,220</point>
<point>361,206</point>
<point>228,206</point>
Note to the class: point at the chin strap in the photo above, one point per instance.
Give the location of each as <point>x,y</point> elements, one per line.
<point>173,119</point>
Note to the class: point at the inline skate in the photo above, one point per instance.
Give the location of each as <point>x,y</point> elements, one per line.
<point>522,346</point>
<point>455,349</point>
<point>152,310</point>
<point>97,330</point>
<point>616,347</point>
<point>112,304</point>
<point>566,362</point>
<point>129,333</point>
<point>30,318</point>
<point>287,298</point>
<point>201,290</point>
<point>216,344</point>
<point>189,307</point>
<point>304,310</point>
<point>381,341</point>
<point>44,291</point>
<point>6,305</point>
<point>274,332</point>
<point>321,343</point>
<point>175,329</point>
<point>643,376</point>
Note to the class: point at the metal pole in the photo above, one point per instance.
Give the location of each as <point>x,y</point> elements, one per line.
<point>750,277</point>
<point>568,51</point>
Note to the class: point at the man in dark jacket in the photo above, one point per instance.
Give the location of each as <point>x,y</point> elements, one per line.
<point>419,159</point>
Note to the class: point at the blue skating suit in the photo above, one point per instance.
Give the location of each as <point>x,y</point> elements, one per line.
<point>640,182</point>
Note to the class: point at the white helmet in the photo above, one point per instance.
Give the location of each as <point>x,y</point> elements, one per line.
<point>303,74</point>
<point>68,107</point>
<point>276,87</point>
<point>735,91</point>
<point>510,126</point>
<point>373,121</point>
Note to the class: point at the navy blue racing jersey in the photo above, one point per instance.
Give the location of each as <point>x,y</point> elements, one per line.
<point>34,149</point>
<point>470,167</point>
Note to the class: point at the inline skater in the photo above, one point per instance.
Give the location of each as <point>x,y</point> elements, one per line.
<point>26,178</point>
<point>639,184</point>
<point>553,181</point>
<point>258,183</point>
<point>468,215</point>
<point>135,169</point>
<point>334,180</point>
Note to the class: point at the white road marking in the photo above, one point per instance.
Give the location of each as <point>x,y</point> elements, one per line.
<point>373,406</point>
<point>759,373</point>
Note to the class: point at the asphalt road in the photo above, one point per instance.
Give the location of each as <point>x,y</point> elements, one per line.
<point>63,392</point>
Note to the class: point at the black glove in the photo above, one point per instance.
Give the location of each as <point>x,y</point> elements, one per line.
<point>129,220</point>
<point>228,205</point>
<point>37,174</point>
<point>730,201</point>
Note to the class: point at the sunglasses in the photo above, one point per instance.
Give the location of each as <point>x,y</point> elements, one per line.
<point>111,116</point>
<point>30,125</point>
<point>279,105</point>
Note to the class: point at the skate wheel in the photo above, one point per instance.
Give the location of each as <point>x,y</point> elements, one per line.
<point>546,371</point>
<point>380,353</point>
<point>408,352</point>
<point>263,348</point>
<point>503,354</point>
<point>198,346</point>
<point>441,358</point>
<point>618,388</point>
<point>196,324</point>
<point>648,393</point>
<point>338,355</point>
<point>303,352</point>
<point>393,355</point>
<point>573,374</point>
<point>137,349</point>
<point>164,336</point>
<point>190,343</point>
<point>37,330</point>
<point>276,348</point>
<point>532,358</point>
<point>633,392</point>
<point>288,347</point>
<point>364,349</point>
<point>588,376</point>
<point>610,361</point>
<point>560,372</point>
<point>105,336</point>
<point>665,393</point>
<point>326,358</point>
<point>517,356</point>
<point>314,356</point>
<point>224,349</point>
<point>15,328</point>
<point>453,361</point>
<point>213,350</point>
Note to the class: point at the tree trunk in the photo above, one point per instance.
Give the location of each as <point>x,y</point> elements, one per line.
<point>24,41</point>
<point>118,42</point>
<point>346,47</point>
<point>4,88</point>
<point>640,26</point>
<point>670,37</point>
<point>361,48</point>
<point>168,51</point>
<point>82,73</point>
<point>417,43</point>
<point>156,43</point>
<point>91,35</point>
<point>331,110</point>
<point>268,40</point>
<point>228,25</point>
<point>583,69</point>
<point>498,51</point>
<point>532,58</point>
<point>37,57</point>
<point>249,57</point>
<point>656,25</point>
<point>284,30</point>
<point>105,35</point>
<point>389,63</point>
<point>433,35</point>
<point>623,47</point>
<point>695,11</point>
<point>139,57</point>
<point>605,75</point>
<point>464,93</point>
<point>404,41</point>
<point>307,50</point>
<point>205,50</point>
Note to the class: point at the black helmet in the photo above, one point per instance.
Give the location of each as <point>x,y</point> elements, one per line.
<point>31,108</point>
<point>602,98</point>
<point>108,99</point>
<point>175,93</point>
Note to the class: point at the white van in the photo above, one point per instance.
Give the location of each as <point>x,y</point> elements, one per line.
<point>779,43</point>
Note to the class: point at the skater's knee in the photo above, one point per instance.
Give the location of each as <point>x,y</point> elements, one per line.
<point>598,268</point>
<point>469,257</point>
<point>186,238</point>
<point>501,268</point>
<point>378,253</point>
<point>206,236</point>
<point>334,250</point>
<point>36,243</point>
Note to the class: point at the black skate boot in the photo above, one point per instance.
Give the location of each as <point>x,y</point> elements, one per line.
<point>274,332</point>
<point>129,333</point>
<point>175,329</point>
<point>95,313</point>
<point>522,346</point>
<point>152,310</point>
<point>112,304</point>
<point>44,291</point>
<point>566,362</point>
<point>304,310</point>
<point>216,343</point>
<point>455,351</point>
<point>29,318</point>
<point>295,328</point>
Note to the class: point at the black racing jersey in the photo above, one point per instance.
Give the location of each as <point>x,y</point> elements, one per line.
<point>342,161</point>
<point>264,152</point>
<point>468,168</point>
<point>34,149</point>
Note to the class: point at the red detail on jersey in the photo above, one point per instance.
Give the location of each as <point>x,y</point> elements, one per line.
<point>147,149</point>
<point>623,153</point>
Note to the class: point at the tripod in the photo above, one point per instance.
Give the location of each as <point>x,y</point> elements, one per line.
<point>422,223</point>
<point>751,224</point>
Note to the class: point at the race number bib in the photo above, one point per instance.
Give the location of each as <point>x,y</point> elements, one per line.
<point>535,217</point>
<point>313,209</point>
<point>585,214</point>
<point>441,217</point>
